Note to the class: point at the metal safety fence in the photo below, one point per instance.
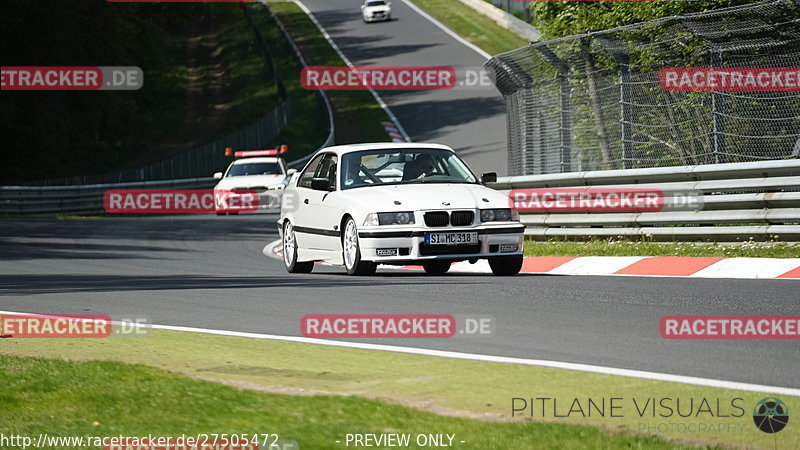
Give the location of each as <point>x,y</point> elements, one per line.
<point>737,202</point>
<point>595,101</point>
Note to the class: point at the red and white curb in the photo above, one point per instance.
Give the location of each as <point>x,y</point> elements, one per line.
<point>657,266</point>
<point>393,132</point>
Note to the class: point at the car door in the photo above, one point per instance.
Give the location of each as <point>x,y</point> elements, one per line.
<point>303,215</point>
<point>322,203</point>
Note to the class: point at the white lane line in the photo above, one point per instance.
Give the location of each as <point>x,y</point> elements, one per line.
<point>447,30</point>
<point>346,60</point>
<point>709,382</point>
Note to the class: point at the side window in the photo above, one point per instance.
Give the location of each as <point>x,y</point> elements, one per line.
<point>308,174</point>
<point>327,169</point>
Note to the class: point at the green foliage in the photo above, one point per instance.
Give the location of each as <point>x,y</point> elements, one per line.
<point>50,134</point>
<point>565,18</point>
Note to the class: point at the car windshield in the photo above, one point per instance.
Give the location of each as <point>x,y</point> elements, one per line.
<point>262,168</point>
<point>406,166</point>
<point>376,3</point>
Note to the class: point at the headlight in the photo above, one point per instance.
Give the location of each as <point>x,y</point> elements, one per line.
<point>396,218</point>
<point>392,218</point>
<point>499,215</point>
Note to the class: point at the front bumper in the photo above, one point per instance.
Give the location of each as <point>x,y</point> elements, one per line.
<point>376,17</point>
<point>400,246</point>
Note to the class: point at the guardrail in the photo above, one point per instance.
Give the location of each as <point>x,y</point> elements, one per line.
<point>505,19</point>
<point>81,200</point>
<point>759,200</point>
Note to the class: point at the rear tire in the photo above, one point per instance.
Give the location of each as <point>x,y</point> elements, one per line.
<point>506,265</point>
<point>351,252</point>
<point>290,252</point>
<point>436,267</point>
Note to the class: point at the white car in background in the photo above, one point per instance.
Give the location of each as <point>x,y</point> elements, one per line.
<point>376,11</point>
<point>362,205</point>
<point>266,175</point>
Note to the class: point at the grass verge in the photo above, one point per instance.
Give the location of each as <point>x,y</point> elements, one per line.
<point>135,400</point>
<point>356,113</point>
<point>612,247</point>
<point>50,395</point>
<point>472,25</point>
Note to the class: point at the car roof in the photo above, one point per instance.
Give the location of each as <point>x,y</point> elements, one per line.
<point>260,159</point>
<point>342,149</point>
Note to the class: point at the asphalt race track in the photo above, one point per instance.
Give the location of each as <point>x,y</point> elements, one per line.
<point>209,272</point>
<point>470,121</point>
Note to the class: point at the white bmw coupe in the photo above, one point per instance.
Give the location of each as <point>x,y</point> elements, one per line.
<point>396,203</point>
<point>376,11</point>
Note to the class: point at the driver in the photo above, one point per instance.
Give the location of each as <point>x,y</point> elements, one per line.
<point>425,165</point>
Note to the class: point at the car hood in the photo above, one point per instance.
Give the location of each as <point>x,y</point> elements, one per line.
<point>377,9</point>
<point>250,181</point>
<point>415,197</point>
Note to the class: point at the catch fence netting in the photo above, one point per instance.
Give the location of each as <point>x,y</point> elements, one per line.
<point>595,101</point>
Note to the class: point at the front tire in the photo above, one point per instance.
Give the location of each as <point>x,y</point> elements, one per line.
<point>506,265</point>
<point>351,252</point>
<point>436,267</point>
<point>290,252</point>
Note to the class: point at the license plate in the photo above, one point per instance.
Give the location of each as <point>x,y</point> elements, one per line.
<point>451,238</point>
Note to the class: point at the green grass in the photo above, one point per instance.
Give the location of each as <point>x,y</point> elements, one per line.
<point>453,387</point>
<point>472,25</point>
<point>612,247</point>
<point>357,114</point>
<point>114,399</point>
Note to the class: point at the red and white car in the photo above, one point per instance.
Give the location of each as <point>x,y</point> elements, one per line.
<point>262,172</point>
<point>396,203</point>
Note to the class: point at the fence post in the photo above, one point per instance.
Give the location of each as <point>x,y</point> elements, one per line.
<point>718,114</point>
<point>625,96</point>
<point>565,126</point>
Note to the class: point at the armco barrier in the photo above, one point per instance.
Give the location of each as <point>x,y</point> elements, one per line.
<point>759,200</point>
<point>505,19</point>
<point>79,200</point>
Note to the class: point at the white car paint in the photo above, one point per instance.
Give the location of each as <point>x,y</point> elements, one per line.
<point>318,217</point>
<point>268,186</point>
<point>376,10</point>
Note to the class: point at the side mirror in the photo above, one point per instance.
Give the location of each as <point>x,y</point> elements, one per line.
<point>291,172</point>
<point>320,184</point>
<point>363,6</point>
<point>489,177</point>
<point>218,176</point>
